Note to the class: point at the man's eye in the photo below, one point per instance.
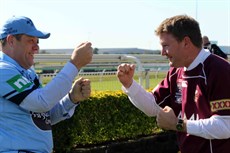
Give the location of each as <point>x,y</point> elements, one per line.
<point>34,41</point>
<point>165,46</point>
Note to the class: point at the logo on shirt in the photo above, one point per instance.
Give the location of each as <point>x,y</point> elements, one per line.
<point>193,116</point>
<point>178,94</point>
<point>223,104</point>
<point>19,83</point>
<point>41,120</point>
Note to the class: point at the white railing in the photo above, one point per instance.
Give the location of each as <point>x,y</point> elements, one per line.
<point>102,58</point>
<point>105,60</point>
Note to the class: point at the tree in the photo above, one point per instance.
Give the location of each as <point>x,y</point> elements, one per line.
<point>95,51</point>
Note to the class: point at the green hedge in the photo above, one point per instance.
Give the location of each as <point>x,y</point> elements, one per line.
<point>105,117</point>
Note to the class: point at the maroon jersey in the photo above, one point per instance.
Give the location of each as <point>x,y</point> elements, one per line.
<point>198,94</point>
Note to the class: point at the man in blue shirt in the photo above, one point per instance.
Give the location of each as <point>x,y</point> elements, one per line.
<point>28,110</point>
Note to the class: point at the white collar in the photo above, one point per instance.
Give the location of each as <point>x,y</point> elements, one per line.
<point>204,53</point>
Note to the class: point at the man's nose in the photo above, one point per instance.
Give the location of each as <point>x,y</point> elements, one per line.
<point>36,48</point>
<point>163,52</point>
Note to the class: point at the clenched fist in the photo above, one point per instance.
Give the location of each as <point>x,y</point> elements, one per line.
<point>125,73</point>
<point>167,119</point>
<point>80,91</point>
<point>82,55</point>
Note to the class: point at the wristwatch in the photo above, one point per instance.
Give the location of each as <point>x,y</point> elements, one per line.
<point>180,125</point>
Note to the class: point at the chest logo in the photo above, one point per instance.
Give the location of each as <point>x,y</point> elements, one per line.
<point>19,83</point>
<point>42,120</point>
<point>178,94</point>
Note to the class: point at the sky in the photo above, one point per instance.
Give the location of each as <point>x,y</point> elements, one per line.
<point>116,23</point>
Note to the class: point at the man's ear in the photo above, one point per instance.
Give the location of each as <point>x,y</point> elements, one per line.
<point>187,41</point>
<point>10,40</point>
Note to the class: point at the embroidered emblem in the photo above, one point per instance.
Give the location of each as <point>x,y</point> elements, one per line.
<point>223,104</point>
<point>178,94</point>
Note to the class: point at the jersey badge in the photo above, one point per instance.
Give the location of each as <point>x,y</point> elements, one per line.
<point>19,83</point>
<point>178,94</point>
<point>223,104</point>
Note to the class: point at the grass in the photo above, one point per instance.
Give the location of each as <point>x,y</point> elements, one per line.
<point>111,82</point>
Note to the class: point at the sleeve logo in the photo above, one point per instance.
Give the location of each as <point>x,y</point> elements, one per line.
<point>220,105</point>
<point>19,83</point>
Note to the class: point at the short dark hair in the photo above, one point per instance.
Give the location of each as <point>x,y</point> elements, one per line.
<point>17,36</point>
<point>181,26</point>
<point>3,41</point>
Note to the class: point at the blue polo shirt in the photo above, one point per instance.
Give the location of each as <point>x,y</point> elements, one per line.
<point>28,110</point>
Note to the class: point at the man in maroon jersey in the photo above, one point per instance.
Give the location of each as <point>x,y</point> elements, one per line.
<point>194,98</point>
